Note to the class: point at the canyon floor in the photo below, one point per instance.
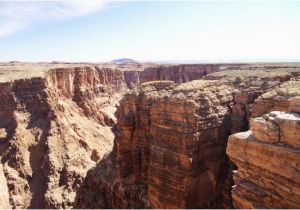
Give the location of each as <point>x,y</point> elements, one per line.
<point>146,135</point>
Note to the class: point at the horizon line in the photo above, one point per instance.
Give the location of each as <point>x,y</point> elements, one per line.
<point>175,61</point>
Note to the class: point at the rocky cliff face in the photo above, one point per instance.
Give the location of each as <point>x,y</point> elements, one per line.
<point>51,134</point>
<point>280,98</point>
<point>245,97</point>
<point>254,95</point>
<point>169,146</point>
<point>162,160</point>
<point>94,90</point>
<point>61,146</point>
<point>268,161</point>
<point>267,156</point>
<point>260,97</point>
<point>177,73</point>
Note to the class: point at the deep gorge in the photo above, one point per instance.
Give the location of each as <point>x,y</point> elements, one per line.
<point>178,136</point>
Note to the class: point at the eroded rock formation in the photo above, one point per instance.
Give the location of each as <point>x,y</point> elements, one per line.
<point>268,162</point>
<point>170,144</point>
<point>267,156</point>
<point>62,146</point>
<point>280,98</point>
<point>257,91</point>
<point>53,130</point>
<point>178,73</point>
<point>155,126</point>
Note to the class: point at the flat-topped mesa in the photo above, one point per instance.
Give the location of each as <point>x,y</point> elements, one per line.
<point>50,136</point>
<point>170,143</point>
<point>268,160</point>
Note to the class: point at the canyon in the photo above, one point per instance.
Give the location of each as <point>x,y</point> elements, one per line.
<point>149,135</point>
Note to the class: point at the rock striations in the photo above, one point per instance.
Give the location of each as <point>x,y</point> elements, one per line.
<point>178,73</point>
<point>51,134</point>
<point>268,155</point>
<point>268,160</point>
<point>77,137</point>
<point>252,98</point>
<point>169,146</point>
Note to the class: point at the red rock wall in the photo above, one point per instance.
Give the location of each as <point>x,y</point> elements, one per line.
<point>177,73</point>
<point>51,135</point>
<point>29,113</point>
<point>241,110</point>
<point>132,78</point>
<point>249,103</point>
<point>169,149</point>
<point>266,155</point>
<point>91,88</point>
<point>170,143</point>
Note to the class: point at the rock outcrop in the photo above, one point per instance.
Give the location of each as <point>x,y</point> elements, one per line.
<point>284,97</point>
<point>268,159</point>
<point>53,130</point>
<point>253,82</point>
<point>261,151</point>
<point>244,98</point>
<point>169,147</point>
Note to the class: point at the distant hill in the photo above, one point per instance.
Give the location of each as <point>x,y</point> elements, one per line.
<point>123,61</point>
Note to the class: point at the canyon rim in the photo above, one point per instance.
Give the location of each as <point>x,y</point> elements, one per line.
<point>167,136</point>
<point>203,112</point>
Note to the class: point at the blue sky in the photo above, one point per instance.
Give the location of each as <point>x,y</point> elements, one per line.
<point>150,30</point>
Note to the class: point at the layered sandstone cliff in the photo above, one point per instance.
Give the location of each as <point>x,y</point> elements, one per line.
<point>169,146</point>
<point>268,162</point>
<point>251,98</point>
<point>61,146</point>
<point>280,98</point>
<point>54,128</point>
<point>148,166</point>
<point>178,73</point>
<point>267,156</point>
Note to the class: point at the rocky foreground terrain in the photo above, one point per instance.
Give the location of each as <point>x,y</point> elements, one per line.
<point>149,136</point>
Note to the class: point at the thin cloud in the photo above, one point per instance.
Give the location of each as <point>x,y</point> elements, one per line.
<point>18,15</point>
